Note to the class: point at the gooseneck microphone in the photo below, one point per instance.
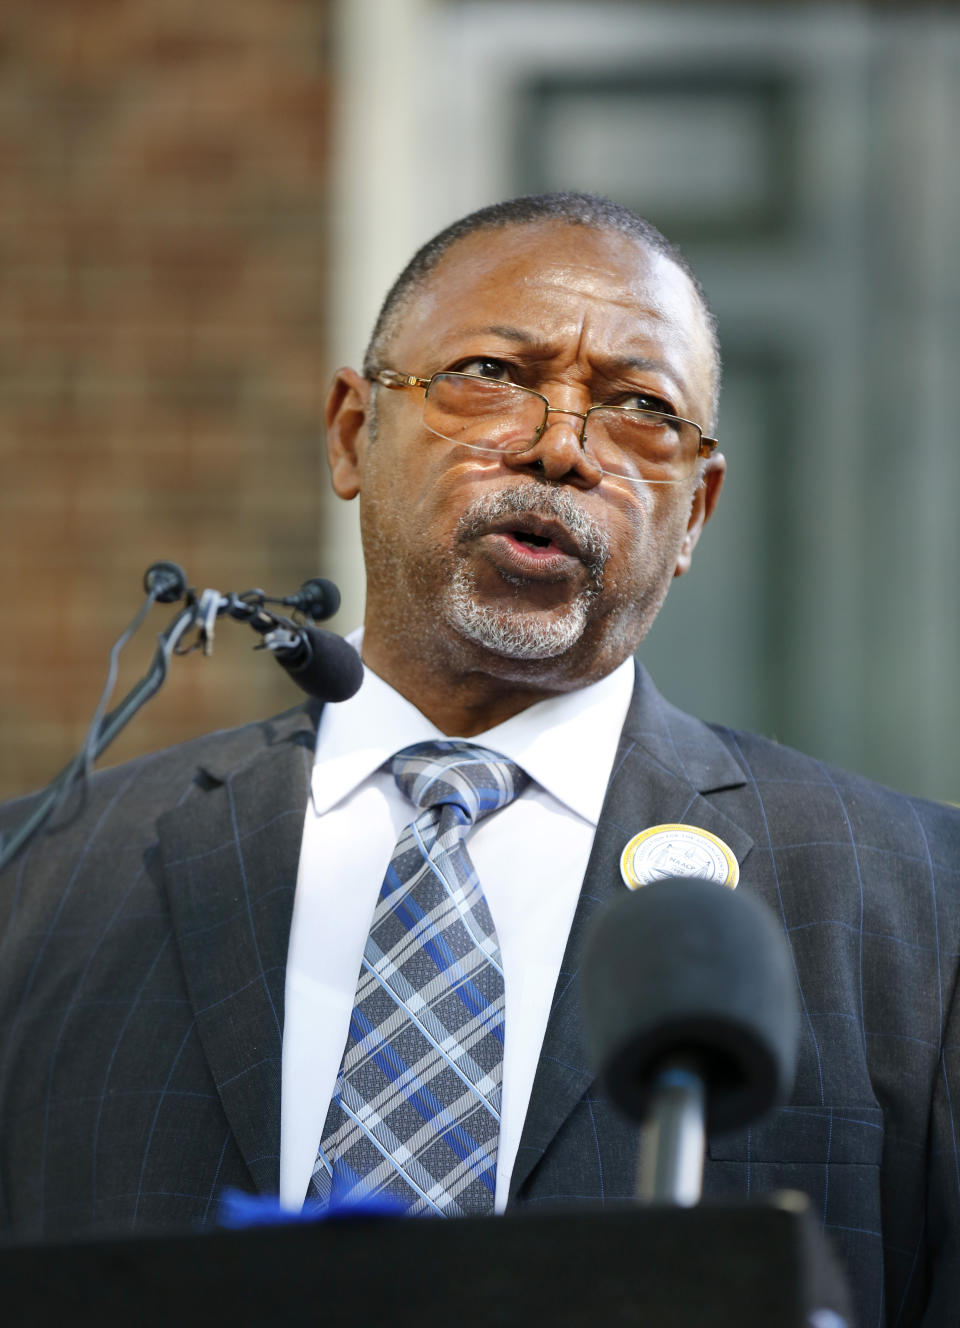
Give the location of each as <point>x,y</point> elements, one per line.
<point>690,1003</point>
<point>166,582</point>
<point>318,598</point>
<point>321,663</point>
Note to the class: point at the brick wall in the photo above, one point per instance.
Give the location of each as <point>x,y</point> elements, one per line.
<point>162,243</point>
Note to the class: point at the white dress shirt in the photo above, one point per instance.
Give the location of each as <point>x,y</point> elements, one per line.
<point>530,858</point>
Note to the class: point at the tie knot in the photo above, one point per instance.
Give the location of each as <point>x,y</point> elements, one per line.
<point>460,773</point>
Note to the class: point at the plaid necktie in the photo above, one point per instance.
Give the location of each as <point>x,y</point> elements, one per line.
<point>415,1115</point>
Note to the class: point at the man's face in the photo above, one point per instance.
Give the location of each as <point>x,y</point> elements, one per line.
<point>537,568</point>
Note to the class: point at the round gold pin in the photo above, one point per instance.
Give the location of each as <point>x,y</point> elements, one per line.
<point>677,850</point>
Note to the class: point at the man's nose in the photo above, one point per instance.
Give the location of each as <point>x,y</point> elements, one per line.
<point>557,453</point>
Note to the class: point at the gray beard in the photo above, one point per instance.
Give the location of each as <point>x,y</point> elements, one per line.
<point>505,629</point>
<point>509,632</point>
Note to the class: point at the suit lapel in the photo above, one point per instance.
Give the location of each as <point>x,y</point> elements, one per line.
<point>230,854</point>
<point>666,766</point>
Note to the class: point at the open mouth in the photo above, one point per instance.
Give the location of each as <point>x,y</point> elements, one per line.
<point>530,534</point>
<point>527,537</point>
<point>531,555</point>
<point>535,534</point>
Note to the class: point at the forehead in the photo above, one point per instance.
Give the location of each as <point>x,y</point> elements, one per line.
<point>559,280</point>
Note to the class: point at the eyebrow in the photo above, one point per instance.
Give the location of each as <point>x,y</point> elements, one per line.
<point>641,362</point>
<point>504,330</point>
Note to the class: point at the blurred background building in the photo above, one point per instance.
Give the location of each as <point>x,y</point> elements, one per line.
<point>201,207</point>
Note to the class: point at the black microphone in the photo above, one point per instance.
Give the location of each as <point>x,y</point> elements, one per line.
<point>690,997</point>
<point>318,598</point>
<point>320,662</point>
<point>166,581</point>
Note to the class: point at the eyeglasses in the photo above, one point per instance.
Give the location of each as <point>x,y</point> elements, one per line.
<point>642,446</point>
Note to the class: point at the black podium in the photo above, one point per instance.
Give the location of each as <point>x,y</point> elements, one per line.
<point>762,1264</point>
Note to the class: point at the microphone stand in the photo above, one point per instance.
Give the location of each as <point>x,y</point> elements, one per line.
<point>670,1165</point>
<point>111,725</point>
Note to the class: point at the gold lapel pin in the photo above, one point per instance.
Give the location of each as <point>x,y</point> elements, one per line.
<point>677,850</point>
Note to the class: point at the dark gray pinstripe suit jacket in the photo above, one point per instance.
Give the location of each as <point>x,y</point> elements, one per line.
<point>142,979</point>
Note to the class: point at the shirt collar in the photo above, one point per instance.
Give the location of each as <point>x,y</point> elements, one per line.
<point>566,744</point>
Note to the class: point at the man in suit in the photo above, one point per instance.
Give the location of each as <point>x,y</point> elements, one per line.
<point>179,962</point>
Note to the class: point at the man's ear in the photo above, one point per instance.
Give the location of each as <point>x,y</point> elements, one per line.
<point>346,414</point>
<point>704,501</point>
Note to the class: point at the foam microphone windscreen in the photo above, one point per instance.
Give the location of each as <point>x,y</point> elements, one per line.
<point>686,967</point>
<point>330,669</point>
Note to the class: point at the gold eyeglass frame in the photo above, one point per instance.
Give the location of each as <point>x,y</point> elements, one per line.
<point>395,380</point>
